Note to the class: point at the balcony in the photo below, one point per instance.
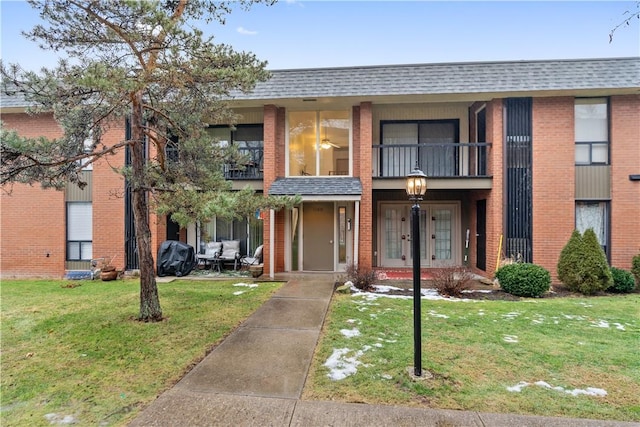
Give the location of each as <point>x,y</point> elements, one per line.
<point>251,169</point>
<point>453,165</point>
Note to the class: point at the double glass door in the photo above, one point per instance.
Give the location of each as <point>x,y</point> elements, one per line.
<point>439,228</point>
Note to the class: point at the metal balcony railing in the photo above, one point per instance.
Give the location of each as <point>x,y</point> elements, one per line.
<point>434,159</point>
<point>252,169</point>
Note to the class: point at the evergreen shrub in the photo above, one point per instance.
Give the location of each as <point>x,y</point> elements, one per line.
<point>635,268</point>
<point>568,268</point>
<point>524,279</point>
<point>595,272</point>
<point>623,281</point>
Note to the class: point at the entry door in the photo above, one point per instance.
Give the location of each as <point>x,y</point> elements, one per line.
<point>318,237</point>
<point>438,231</point>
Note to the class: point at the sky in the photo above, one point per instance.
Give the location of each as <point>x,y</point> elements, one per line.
<point>319,34</point>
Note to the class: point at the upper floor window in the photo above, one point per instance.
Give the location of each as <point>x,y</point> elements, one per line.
<point>592,131</point>
<point>249,140</point>
<point>429,144</point>
<point>319,143</point>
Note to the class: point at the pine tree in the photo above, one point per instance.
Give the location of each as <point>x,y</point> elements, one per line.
<point>145,61</point>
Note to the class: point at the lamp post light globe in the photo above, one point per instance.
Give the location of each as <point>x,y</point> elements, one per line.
<point>416,184</point>
<point>416,188</point>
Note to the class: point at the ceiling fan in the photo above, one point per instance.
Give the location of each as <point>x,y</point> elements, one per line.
<point>326,143</point>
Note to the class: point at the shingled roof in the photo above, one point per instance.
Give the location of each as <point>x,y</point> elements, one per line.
<point>450,78</point>
<point>316,186</point>
<point>439,79</point>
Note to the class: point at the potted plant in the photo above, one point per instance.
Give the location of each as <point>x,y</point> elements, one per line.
<point>107,269</point>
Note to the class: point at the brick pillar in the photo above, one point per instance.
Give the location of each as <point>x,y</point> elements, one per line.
<point>270,173</point>
<point>496,170</point>
<point>365,255</point>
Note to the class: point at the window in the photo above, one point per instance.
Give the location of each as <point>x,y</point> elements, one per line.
<point>247,231</point>
<point>249,140</point>
<point>429,142</point>
<point>594,215</point>
<point>591,131</point>
<point>79,231</point>
<point>319,143</point>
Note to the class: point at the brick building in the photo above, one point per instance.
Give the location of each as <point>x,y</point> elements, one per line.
<point>517,154</point>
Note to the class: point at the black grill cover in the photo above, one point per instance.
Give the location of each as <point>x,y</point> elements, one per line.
<point>176,259</point>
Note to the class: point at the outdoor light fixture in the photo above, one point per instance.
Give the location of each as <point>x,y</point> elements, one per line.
<point>416,188</point>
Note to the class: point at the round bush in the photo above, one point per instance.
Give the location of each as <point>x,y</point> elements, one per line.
<point>622,281</point>
<point>524,279</point>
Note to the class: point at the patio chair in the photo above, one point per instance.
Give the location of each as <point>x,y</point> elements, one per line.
<point>210,256</point>
<point>256,259</point>
<point>230,252</point>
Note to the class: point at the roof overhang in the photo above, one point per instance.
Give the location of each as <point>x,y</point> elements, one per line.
<point>318,188</point>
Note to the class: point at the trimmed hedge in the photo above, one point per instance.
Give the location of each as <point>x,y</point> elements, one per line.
<point>623,282</point>
<point>524,279</point>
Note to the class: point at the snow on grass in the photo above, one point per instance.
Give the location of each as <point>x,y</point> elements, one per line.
<point>350,333</point>
<point>510,338</point>
<point>245,285</point>
<point>589,391</point>
<point>341,365</point>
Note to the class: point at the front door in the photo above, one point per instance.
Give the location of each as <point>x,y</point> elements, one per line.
<point>481,234</point>
<point>318,236</point>
<point>439,228</point>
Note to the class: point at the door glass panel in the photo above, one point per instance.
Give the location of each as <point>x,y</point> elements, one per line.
<point>442,231</point>
<point>392,233</point>
<point>342,237</point>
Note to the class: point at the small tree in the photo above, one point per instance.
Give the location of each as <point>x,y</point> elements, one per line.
<point>595,272</point>
<point>568,268</point>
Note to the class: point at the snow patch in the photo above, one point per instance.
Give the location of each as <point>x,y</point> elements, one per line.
<point>589,391</point>
<point>340,366</point>
<point>350,333</point>
<point>247,285</point>
<point>54,418</point>
<point>510,338</point>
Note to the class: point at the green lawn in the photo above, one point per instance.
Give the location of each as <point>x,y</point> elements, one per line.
<point>74,349</point>
<point>573,357</point>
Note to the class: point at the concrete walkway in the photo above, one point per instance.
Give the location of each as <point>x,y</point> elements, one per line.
<point>255,377</point>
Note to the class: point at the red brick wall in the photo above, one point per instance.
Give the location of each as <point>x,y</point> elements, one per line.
<point>33,230</point>
<point>33,220</point>
<point>364,143</point>
<point>625,194</point>
<point>108,202</point>
<point>553,179</point>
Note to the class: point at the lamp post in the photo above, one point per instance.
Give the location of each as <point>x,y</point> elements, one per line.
<point>416,188</point>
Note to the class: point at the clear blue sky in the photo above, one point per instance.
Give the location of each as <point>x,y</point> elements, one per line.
<point>309,34</point>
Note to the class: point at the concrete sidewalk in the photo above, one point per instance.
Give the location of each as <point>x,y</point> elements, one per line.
<point>255,377</point>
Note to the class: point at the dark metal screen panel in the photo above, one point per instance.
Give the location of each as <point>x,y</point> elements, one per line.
<point>131,248</point>
<point>519,186</point>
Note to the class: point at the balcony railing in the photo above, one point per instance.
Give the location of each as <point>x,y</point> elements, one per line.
<point>252,169</point>
<point>435,160</point>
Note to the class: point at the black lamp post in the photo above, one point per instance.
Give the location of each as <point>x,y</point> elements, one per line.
<point>416,188</point>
